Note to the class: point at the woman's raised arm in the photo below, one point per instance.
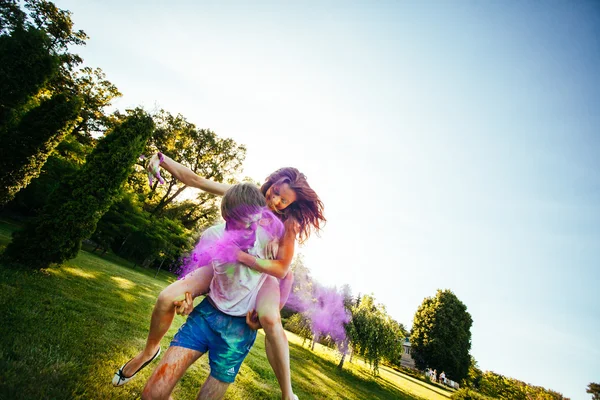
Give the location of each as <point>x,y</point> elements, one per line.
<point>187,176</point>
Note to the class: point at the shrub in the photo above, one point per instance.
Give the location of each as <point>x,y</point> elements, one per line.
<point>469,394</point>
<point>74,209</point>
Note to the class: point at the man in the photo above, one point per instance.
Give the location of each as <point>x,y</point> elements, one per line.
<point>218,324</point>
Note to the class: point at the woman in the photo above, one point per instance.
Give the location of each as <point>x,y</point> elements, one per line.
<point>300,209</point>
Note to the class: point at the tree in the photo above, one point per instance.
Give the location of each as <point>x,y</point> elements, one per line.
<point>371,334</point>
<point>300,325</point>
<point>134,234</point>
<point>201,150</point>
<point>26,67</point>
<point>156,240</point>
<point>74,209</point>
<point>301,296</point>
<point>594,390</point>
<point>97,94</point>
<point>48,61</point>
<point>42,95</point>
<point>441,335</point>
<point>26,147</point>
<point>392,332</point>
<point>11,16</point>
<point>344,346</point>
<point>123,218</point>
<point>474,376</point>
<point>64,162</point>
<point>56,24</point>
<point>398,333</point>
<point>195,214</point>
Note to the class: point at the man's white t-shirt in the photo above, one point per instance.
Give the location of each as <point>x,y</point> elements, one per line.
<point>234,286</point>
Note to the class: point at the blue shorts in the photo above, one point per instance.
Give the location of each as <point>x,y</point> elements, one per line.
<point>227,339</point>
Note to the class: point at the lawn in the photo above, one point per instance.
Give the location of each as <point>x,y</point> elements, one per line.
<point>65,330</point>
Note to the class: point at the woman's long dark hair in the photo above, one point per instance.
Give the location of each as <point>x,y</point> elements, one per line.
<point>307,210</point>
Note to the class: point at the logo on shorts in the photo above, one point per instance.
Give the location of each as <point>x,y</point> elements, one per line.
<point>231,371</point>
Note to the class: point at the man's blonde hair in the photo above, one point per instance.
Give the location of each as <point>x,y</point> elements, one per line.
<point>242,200</point>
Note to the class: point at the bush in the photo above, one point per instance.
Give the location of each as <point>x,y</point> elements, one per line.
<point>300,325</point>
<point>26,66</point>
<point>469,394</point>
<point>415,373</point>
<point>74,209</point>
<point>26,147</point>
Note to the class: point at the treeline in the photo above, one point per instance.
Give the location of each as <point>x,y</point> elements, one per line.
<point>440,336</point>
<point>490,385</point>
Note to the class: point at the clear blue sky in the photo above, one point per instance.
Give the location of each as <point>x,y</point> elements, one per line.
<point>455,145</point>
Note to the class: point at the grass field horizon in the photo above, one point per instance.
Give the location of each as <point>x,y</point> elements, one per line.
<point>66,329</point>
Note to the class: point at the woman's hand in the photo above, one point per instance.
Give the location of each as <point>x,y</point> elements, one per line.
<point>252,320</point>
<point>186,306</point>
<point>153,168</point>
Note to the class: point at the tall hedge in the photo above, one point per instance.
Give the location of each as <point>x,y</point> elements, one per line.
<point>25,148</point>
<point>74,209</point>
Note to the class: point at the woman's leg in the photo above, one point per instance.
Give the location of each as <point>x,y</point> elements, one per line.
<point>197,283</point>
<point>285,288</point>
<point>276,343</point>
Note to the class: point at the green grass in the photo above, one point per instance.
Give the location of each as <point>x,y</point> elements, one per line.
<point>6,229</point>
<point>65,331</point>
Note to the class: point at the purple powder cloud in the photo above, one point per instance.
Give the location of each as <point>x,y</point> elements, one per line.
<point>225,249</point>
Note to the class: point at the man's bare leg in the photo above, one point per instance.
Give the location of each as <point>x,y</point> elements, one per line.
<point>212,389</point>
<point>276,343</point>
<point>170,369</point>
<point>197,283</point>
